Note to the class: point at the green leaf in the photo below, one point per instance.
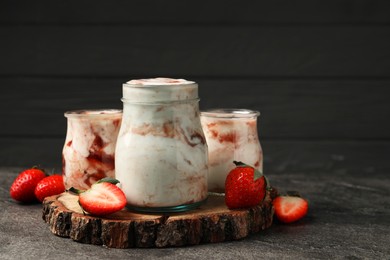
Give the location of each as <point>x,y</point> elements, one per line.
<point>240,164</point>
<point>109,179</point>
<point>257,173</point>
<point>75,191</point>
<point>267,183</point>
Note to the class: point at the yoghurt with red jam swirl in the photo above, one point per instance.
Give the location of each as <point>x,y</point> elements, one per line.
<point>161,153</point>
<point>88,154</point>
<point>231,135</point>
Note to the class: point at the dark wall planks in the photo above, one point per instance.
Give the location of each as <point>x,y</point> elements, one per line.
<point>199,12</point>
<point>291,109</point>
<point>214,51</point>
<point>319,71</point>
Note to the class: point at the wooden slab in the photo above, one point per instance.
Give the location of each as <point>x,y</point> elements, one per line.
<point>210,223</point>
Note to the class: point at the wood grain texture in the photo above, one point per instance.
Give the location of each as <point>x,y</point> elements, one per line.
<point>178,12</point>
<point>235,51</point>
<point>212,222</point>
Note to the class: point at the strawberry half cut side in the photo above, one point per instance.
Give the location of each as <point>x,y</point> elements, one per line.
<point>103,198</point>
<point>289,209</point>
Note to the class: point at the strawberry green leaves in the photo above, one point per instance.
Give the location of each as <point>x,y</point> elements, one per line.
<point>244,186</point>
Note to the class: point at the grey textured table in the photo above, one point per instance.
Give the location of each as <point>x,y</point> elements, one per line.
<point>349,217</point>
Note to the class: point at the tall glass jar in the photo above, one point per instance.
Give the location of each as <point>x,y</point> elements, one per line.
<point>231,135</point>
<point>161,153</point>
<point>89,150</point>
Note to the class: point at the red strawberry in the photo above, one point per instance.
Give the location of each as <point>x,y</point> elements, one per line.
<point>48,186</point>
<point>290,208</point>
<point>22,189</point>
<point>103,198</point>
<point>244,187</point>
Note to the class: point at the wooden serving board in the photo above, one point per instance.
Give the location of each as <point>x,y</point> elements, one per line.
<point>212,222</point>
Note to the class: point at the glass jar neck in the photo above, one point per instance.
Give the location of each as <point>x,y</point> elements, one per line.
<point>230,113</point>
<point>93,114</point>
<point>161,103</point>
<point>160,93</point>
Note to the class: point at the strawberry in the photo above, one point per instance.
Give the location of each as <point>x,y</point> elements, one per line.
<point>103,198</point>
<point>290,208</point>
<point>22,189</point>
<point>48,186</point>
<point>244,187</point>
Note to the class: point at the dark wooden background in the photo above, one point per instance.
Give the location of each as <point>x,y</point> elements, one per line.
<point>318,71</point>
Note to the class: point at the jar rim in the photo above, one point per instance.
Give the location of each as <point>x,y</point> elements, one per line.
<point>159,93</point>
<point>230,113</point>
<point>92,113</point>
<point>158,82</point>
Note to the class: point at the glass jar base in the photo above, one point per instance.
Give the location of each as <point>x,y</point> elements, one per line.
<point>170,209</point>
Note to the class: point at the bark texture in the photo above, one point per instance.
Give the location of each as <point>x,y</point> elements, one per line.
<point>210,223</point>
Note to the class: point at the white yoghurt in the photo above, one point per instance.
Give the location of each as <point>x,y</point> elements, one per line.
<point>161,152</point>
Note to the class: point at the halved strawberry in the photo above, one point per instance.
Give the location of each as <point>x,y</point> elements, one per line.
<point>103,198</point>
<point>290,208</point>
<point>48,186</point>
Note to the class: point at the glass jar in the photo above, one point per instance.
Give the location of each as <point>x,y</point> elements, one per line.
<point>231,135</point>
<point>161,152</point>
<point>89,150</point>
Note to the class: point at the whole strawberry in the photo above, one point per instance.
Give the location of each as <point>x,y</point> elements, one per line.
<point>103,198</point>
<point>244,187</point>
<point>22,189</point>
<point>48,186</point>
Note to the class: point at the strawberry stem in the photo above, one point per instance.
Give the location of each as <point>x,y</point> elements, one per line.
<point>293,193</point>
<point>257,174</point>
<point>75,191</point>
<point>108,179</point>
<point>267,183</point>
<point>240,164</point>
<point>38,167</point>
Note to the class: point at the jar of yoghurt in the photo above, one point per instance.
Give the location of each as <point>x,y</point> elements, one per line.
<point>161,153</point>
<point>231,135</point>
<point>89,150</point>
